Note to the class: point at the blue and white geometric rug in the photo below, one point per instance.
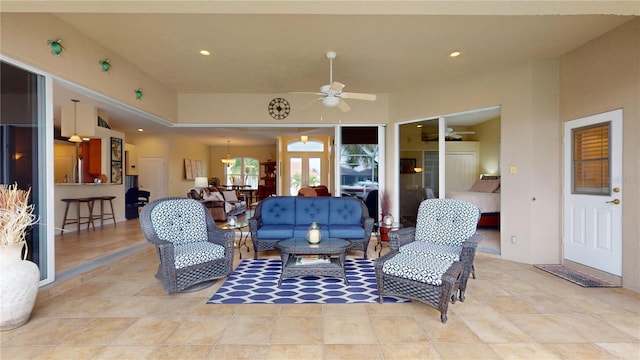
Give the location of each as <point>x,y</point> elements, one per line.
<point>256,282</point>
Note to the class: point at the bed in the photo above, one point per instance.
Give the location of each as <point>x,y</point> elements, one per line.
<point>485,194</point>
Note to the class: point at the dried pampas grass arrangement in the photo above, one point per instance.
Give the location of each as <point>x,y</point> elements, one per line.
<point>16,214</point>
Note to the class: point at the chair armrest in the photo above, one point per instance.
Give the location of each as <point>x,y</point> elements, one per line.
<point>473,241</point>
<point>377,263</point>
<point>453,273</point>
<point>367,224</point>
<point>400,237</point>
<point>221,237</point>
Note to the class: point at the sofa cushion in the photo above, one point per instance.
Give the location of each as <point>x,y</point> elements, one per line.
<point>229,195</point>
<point>195,194</point>
<point>310,209</point>
<point>321,190</point>
<point>344,211</point>
<point>346,231</point>
<point>196,253</point>
<point>432,250</point>
<point>446,221</point>
<point>180,221</point>
<point>279,210</point>
<point>276,231</point>
<point>214,195</point>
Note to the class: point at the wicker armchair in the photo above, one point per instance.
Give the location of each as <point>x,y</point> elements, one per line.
<point>445,229</point>
<point>428,280</point>
<point>191,249</point>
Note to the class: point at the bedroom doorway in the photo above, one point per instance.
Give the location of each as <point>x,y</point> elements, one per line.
<point>451,152</point>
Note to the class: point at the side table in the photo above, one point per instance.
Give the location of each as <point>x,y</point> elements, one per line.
<point>383,234</point>
<point>243,236</point>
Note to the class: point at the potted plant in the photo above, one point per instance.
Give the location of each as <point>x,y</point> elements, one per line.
<point>19,277</point>
<point>386,222</point>
<point>385,207</point>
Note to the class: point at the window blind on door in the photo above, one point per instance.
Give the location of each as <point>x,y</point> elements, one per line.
<point>591,165</point>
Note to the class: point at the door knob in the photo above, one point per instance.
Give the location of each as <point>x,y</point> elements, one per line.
<point>614,201</point>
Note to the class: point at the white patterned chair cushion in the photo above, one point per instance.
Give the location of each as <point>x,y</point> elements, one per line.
<point>180,221</point>
<point>446,221</point>
<point>417,268</point>
<point>196,253</point>
<point>432,250</point>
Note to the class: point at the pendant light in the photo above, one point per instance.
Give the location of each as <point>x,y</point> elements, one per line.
<point>228,161</point>
<point>75,138</point>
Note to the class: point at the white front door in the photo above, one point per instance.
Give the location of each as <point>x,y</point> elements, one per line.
<point>592,191</point>
<point>151,176</point>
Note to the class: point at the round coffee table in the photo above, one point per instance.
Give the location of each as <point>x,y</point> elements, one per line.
<point>334,249</point>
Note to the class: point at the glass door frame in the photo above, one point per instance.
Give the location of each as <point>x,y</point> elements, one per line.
<point>45,139</point>
<point>382,150</point>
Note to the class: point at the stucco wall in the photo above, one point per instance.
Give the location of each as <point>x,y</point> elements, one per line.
<point>24,39</point>
<point>600,76</point>
<point>518,89</point>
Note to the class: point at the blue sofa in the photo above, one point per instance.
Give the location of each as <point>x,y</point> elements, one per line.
<point>283,217</point>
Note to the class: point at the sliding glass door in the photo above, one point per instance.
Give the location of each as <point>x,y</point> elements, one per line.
<point>22,154</point>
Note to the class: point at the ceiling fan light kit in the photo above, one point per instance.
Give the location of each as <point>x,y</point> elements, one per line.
<point>332,95</point>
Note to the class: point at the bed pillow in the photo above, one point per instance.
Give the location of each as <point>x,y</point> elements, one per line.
<point>486,186</point>
<point>230,196</point>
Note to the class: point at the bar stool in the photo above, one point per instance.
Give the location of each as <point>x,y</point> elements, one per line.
<point>79,220</point>
<point>105,215</point>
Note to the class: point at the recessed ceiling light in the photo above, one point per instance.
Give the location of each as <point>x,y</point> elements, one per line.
<point>204,52</point>
<point>455,54</point>
<point>419,125</point>
<point>141,130</point>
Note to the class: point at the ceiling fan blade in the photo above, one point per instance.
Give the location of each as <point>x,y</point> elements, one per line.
<point>358,96</point>
<point>311,103</point>
<point>336,87</point>
<point>307,93</point>
<point>343,106</point>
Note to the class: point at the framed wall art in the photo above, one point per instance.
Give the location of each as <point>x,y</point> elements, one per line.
<point>116,160</point>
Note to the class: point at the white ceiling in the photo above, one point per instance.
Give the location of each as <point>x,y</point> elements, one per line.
<point>255,49</point>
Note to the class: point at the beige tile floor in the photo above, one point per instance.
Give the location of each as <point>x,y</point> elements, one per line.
<point>120,311</point>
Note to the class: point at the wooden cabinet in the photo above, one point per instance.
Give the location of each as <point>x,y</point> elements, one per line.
<point>91,159</point>
<point>267,186</point>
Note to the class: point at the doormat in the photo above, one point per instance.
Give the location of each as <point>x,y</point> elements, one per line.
<point>255,281</point>
<point>575,276</point>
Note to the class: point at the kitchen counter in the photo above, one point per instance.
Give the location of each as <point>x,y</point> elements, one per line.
<point>75,190</point>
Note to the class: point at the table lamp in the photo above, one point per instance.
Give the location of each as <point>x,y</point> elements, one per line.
<point>200,183</point>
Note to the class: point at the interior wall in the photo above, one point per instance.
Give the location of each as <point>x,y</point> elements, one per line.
<point>233,109</point>
<point>600,76</point>
<point>488,135</point>
<point>25,36</point>
<point>184,148</point>
<point>512,88</point>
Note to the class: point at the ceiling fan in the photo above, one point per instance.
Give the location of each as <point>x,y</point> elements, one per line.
<point>449,134</point>
<point>332,94</point>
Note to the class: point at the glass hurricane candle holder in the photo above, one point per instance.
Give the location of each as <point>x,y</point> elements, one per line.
<point>313,234</point>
